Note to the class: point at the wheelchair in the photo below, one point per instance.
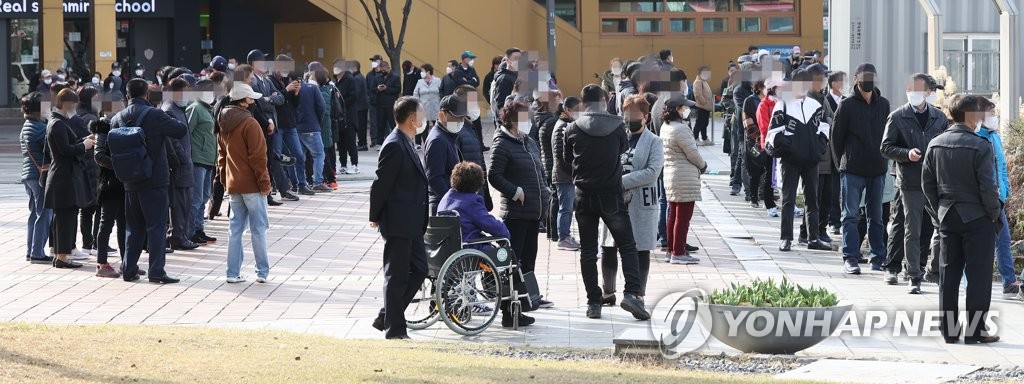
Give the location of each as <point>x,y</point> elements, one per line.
<point>461,277</point>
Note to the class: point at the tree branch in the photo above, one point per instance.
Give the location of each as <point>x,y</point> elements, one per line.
<point>405,22</point>
<point>376,30</point>
<point>387,23</point>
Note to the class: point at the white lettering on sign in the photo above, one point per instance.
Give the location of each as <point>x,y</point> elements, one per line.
<point>22,6</point>
<point>78,6</point>
<point>125,6</point>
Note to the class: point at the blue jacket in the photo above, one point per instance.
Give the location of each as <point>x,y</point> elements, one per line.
<point>310,109</point>
<point>33,139</point>
<point>442,153</point>
<point>159,127</point>
<point>1002,176</point>
<point>473,215</point>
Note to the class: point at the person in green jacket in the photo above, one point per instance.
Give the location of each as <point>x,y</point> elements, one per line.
<point>204,155</point>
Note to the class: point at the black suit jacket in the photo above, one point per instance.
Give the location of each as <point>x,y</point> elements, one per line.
<point>398,196</point>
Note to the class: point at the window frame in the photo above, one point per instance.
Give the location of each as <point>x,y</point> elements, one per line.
<point>698,17</point>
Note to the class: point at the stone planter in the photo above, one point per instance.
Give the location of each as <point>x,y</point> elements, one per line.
<point>771,330</point>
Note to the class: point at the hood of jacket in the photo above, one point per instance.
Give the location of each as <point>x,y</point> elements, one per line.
<point>599,124</point>
<point>231,117</point>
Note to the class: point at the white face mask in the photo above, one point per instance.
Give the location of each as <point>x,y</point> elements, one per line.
<point>448,70</point>
<point>705,75</point>
<point>454,126</point>
<point>337,71</point>
<point>524,127</point>
<point>139,72</point>
<point>616,71</point>
<point>313,82</point>
<point>182,103</point>
<point>207,97</point>
<point>474,112</point>
<point>231,66</point>
<point>111,86</point>
<point>116,73</point>
<point>284,74</point>
<point>932,98</point>
<point>671,59</point>
<point>685,113</point>
<point>423,74</point>
<point>96,81</point>
<point>471,62</point>
<point>916,98</point>
<point>421,122</point>
<point>47,81</point>
<point>373,65</point>
<point>992,123</point>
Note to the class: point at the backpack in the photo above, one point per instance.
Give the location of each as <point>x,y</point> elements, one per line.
<point>128,152</point>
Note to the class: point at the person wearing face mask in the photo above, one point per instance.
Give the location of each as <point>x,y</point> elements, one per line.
<point>86,114</point>
<point>448,83</point>
<point>179,154</point>
<point>204,157</point>
<point>908,131</point>
<point>989,129</point>
<point>33,149</point>
<point>386,88</point>
<point>758,162</point>
<point>833,96</point>
<point>97,81</point>
<point>241,160</point>
<point>441,151</point>
<point>959,183</point>
<point>705,105</point>
<point>517,173</point>
<point>641,165</point>
<point>398,209</point>
<point>410,75</point>
<point>45,80</point>
<point>561,176</point>
<point>470,146</point>
<point>826,195</point>
<point>347,142</point>
<point>361,107</point>
<point>544,119</point>
<point>856,136</point>
<point>594,144</point>
<point>505,79</point>
<point>489,77</point>
<point>140,71</point>
<point>465,74</point>
<point>428,90</point>
<point>683,167</point>
<point>67,188</point>
<point>371,97</point>
<point>309,115</point>
<point>612,77</point>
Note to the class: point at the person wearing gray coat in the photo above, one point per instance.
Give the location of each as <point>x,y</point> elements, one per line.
<point>641,165</point>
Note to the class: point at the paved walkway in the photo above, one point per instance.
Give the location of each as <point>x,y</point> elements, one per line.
<point>326,278</point>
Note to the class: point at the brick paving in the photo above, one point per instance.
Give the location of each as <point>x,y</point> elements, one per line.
<point>326,278</point>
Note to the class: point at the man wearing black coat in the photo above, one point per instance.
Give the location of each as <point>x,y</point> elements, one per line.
<point>347,143</point>
<point>505,79</point>
<point>959,182</point>
<point>398,208</point>
<point>362,104</point>
<point>385,87</point>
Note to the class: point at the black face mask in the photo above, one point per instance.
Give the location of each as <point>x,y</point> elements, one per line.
<point>635,126</point>
<point>867,86</point>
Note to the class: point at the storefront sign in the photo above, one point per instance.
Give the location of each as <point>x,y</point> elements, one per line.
<point>27,9</point>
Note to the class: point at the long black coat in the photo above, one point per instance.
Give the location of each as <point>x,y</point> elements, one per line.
<point>67,184</point>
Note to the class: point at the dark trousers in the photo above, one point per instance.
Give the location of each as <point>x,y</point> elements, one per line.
<point>700,131</point>
<point>761,181</point>
<point>611,209</point>
<point>146,218</point>
<point>824,201</point>
<point>678,227</point>
<point>347,145</point>
<point>610,268</point>
<point>371,125</point>
<point>89,222</point>
<point>896,247</point>
<point>385,122</point>
<point>835,215</point>
<point>523,239</point>
<point>217,198</point>
<point>737,157</point>
<point>967,249</point>
<point>361,127</point>
<point>478,129</point>
<point>330,164</point>
<point>551,220</point>
<point>181,217</point>
<point>277,175</point>
<point>111,212</point>
<point>65,230</point>
<point>663,213</point>
<point>791,175</point>
<point>405,267</point>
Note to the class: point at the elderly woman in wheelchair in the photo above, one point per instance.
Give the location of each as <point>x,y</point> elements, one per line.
<point>468,268</point>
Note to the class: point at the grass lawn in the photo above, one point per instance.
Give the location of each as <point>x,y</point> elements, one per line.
<point>31,353</point>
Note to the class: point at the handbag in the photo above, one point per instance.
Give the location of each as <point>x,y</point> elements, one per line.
<point>44,169</point>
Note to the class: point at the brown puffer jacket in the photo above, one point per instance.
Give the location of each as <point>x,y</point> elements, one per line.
<point>683,163</point>
<point>242,153</point>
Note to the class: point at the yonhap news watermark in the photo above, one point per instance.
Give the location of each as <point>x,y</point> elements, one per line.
<point>684,321</point>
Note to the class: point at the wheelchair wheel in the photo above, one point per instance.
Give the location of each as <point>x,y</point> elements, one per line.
<point>468,282</point>
<point>422,311</point>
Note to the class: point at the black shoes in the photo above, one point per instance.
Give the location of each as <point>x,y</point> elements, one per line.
<point>608,300</point>
<point>594,311</point>
<point>61,264</point>
<point>130,279</point>
<point>305,191</point>
<point>43,260</point>
<point>185,245</point>
<point>817,245</point>
<point>690,248</point>
<point>802,239</point>
<point>635,306</point>
<point>915,287</point>
<point>163,280</point>
<point>980,340</point>
<point>823,237</point>
<point>273,203</point>
<point>786,246</point>
<point>378,323</point>
<point>362,148</point>
<point>507,320</point>
<point>399,337</point>
<point>288,196</point>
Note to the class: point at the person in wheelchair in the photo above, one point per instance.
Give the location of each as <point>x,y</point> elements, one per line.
<point>476,221</point>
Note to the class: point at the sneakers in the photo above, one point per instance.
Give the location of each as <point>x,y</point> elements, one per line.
<point>594,311</point>
<point>851,266</point>
<point>684,260</point>
<point>773,212</point>
<point>891,278</point>
<point>79,254</point>
<point>288,196</point>
<point>106,271</point>
<point>802,239</point>
<point>1012,289</point>
<point>797,212</point>
<point>569,244</point>
<point>352,171</point>
<point>824,238</point>
<point>287,161</point>
<point>635,306</point>
<point>875,266</point>
<point>334,185</point>
<point>341,171</point>
<point>236,279</point>
<point>261,280</point>
<point>915,287</point>
<point>544,303</point>
<point>322,188</point>
<point>305,191</point>
<point>479,308</point>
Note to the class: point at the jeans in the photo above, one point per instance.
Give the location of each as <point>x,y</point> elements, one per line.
<point>39,218</point>
<point>611,209</point>
<point>251,209</point>
<point>293,147</point>
<point>663,215</point>
<point>1004,259</point>
<point>111,212</point>
<point>201,191</point>
<point>791,176</point>
<point>852,188</point>
<point>315,145</point>
<point>566,197</point>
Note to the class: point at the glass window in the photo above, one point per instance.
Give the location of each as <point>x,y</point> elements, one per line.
<point>749,24</point>
<point>614,26</point>
<point>702,6</point>
<point>766,5</point>
<point>648,26</point>
<point>780,24</point>
<point>715,24</point>
<point>985,45</point>
<point>682,25</point>
<point>630,6</point>
<point>24,56</point>
<point>566,9</point>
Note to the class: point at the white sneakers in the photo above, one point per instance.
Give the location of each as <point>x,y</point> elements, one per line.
<point>79,254</point>
<point>236,279</point>
<point>352,171</point>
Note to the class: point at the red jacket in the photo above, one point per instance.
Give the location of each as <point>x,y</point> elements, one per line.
<point>764,117</point>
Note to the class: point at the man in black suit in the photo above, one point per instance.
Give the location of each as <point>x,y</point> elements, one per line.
<point>958,180</point>
<point>398,208</point>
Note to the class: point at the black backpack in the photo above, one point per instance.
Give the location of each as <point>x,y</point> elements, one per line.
<point>128,152</point>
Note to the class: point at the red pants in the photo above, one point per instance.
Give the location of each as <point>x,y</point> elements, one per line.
<point>677,227</point>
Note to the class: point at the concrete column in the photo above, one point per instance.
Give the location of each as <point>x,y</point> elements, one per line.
<point>1009,60</point>
<point>933,17</point>
<point>103,20</point>
<point>51,31</point>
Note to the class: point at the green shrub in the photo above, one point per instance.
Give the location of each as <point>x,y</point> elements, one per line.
<point>769,293</point>
<point>1013,145</point>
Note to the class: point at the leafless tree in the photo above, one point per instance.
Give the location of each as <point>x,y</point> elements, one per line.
<point>380,20</point>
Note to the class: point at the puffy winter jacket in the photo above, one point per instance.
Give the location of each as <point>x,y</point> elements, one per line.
<point>561,171</point>
<point>33,140</point>
<point>504,80</point>
<point>683,163</point>
<point>544,125</point>
<point>515,163</point>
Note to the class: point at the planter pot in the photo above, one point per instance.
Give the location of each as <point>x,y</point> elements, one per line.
<point>771,330</point>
